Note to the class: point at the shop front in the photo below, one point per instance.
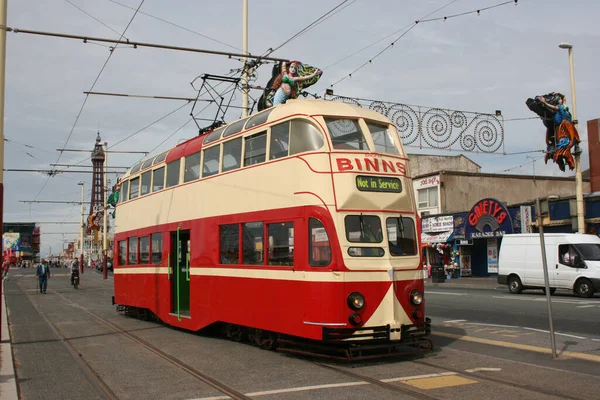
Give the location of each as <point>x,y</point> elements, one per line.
<point>436,241</point>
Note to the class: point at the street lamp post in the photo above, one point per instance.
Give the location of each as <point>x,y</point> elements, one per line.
<point>577,153</point>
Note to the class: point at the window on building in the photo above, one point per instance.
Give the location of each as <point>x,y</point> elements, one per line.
<point>319,248</point>
<point>146,177</point>
<point>134,188</point>
<point>256,149</point>
<point>133,250</point>
<point>158,181</point>
<point>252,243</point>
<point>402,236</point>
<point>281,243</point>
<point>383,138</point>
<point>144,250</point>
<point>428,197</point>
<point>173,173</point>
<point>157,248</point>
<point>124,191</point>
<point>230,243</point>
<point>211,161</point>
<point>305,136</point>
<point>192,167</point>
<point>122,260</point>
<point>346,134</point>
<point>232,155</point>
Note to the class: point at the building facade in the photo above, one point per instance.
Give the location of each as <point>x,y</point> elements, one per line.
<point>20,241</point>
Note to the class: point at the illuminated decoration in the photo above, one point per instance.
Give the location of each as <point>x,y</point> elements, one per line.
<point>437,128</point>
<point>488,219</point>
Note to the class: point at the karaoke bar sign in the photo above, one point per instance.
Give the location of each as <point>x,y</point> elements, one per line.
<point>488,219</point>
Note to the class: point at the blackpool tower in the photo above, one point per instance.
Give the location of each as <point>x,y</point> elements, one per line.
<point>97,199</point>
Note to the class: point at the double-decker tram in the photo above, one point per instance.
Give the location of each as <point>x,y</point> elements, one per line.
<point>295,226</point>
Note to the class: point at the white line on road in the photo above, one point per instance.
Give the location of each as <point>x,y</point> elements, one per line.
<point>543,299</point>
<point>494,325</point>
<point>445,293</point>
<point>596,340</point>
<point>586,306</point>
<point>483,369</point>
<point>455,320</point>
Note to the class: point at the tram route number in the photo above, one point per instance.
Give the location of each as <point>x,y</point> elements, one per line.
<point>378,184</point>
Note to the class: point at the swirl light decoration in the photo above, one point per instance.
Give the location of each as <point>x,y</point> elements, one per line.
<point>438,128</point>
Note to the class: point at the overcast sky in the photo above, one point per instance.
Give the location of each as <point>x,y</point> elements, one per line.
<point>476,63</point>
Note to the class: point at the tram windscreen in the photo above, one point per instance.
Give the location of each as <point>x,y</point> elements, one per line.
<point>401,236</point>
<point>346,134</point>
<point>383,138</point>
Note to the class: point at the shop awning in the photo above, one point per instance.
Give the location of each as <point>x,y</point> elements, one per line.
<point>438,237</point>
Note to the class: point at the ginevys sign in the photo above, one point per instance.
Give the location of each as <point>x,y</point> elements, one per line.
<point>488,219</point>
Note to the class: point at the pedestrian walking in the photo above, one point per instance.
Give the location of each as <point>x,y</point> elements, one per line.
<point>5,268</point>
<point>43,274</point>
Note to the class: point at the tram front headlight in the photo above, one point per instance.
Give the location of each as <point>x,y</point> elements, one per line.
<point>356,301</point>
<point>416,297</point>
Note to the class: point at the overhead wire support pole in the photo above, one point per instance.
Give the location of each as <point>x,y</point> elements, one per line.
<point>245,59</point>
<point>3,10</point>
<point>139,44</point>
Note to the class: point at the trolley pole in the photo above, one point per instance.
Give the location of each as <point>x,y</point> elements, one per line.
<point>82,184</point>
<point>245,51</point>
<point>539,217</point>
<point>104,220</point>
<point>2,78</point>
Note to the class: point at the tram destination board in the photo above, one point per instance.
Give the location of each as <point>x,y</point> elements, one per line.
<point>378,184</point>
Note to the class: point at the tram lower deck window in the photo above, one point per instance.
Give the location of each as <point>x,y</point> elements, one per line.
<point>122,260</point>
<point>230,243</point>
<point>319,247</point>
<point>281,243</point>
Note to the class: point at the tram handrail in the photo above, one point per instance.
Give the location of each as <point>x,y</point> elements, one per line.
<point>187,266</point>
<point>169,266</point>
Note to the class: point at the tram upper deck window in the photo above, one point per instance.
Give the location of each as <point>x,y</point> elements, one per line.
<point>173,173</point>
<point>280,140</point>
<point>211,161</point>
<point>256,149</point>
<point>192,167</point>
<point>258,119</point>
<point>146,177</point>
<point>320,250</point>
<point>401,236</point>
<point>135,168</point>
<point>232,155</point>
<point>235,127</point>
<point>146,164</point>
<point>158,181</point>
<point>383,138</point>
<point>214,135</point>
<point>160,158</point>
<point>305,137</point>
<point>124,191</point>
<point>135,187</point>
<point>346,134</point>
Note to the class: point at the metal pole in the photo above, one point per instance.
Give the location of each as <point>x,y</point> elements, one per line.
<point>81,232</point>
<point>546,282</point>
<point>245,51</point>
<point>2,78</point>
<point>104,220</point>
<point>578,177</point>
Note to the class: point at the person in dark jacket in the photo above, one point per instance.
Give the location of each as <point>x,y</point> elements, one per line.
<point>43,274</point>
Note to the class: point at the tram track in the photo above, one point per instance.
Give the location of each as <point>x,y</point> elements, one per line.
<point>214,383</point>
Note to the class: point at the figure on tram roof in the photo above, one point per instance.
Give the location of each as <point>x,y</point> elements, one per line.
<point>286,82</point>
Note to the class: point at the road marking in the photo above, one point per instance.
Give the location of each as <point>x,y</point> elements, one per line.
<point>440,382</point>
<point>556,333</point>
<point>596,340</point>
<point>410,378</point>
<point>483,369</point>
<point>455,320</point>
<point>445,293</point>
<point>543,350</point>
<point>586,306</point>
<point>493,325</point>
<point>543,299</point>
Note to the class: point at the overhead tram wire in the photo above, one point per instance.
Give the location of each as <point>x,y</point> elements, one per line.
<point>91,16</point>
<point>87,96</point>
<point>412,25</point>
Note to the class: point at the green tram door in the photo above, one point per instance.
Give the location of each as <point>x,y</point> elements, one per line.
<point>179,273</point>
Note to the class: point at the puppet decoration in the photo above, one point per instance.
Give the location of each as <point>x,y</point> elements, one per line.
<point>287,81</point>
<point>561,134</point>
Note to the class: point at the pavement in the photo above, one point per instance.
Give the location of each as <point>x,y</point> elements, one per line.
<point>467,283</point>
<point>8,383</point>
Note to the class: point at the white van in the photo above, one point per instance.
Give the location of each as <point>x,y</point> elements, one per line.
<point>573,262</point>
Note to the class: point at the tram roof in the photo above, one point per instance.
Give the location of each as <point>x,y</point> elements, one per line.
<point>291,107</point>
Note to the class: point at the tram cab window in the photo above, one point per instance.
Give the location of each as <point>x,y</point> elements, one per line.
<point>124,191</point>
<point>252,243</point>
<point>232,155</point>
<point>122,260</point>
<point>157,248</point>
<point>133,250</point>
<point>383,138</point>
<point>363,229</point>
<point>281,243</point>
<point>146,177</point>
<point>144,250</point>
<point>346,134</point>
<point>211,161</point>
<point>402,238</point>
<point>192,167</point>
<point>134,188</point>
<point>280,139</point>
<point>173,173</point>
<point>158,179</point>
<point>304,136</point>
<point>230,243</point>
<point>319,247</point>
<point>256,149</point>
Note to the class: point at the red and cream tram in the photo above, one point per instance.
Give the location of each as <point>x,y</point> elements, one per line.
<point>298,221</point>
